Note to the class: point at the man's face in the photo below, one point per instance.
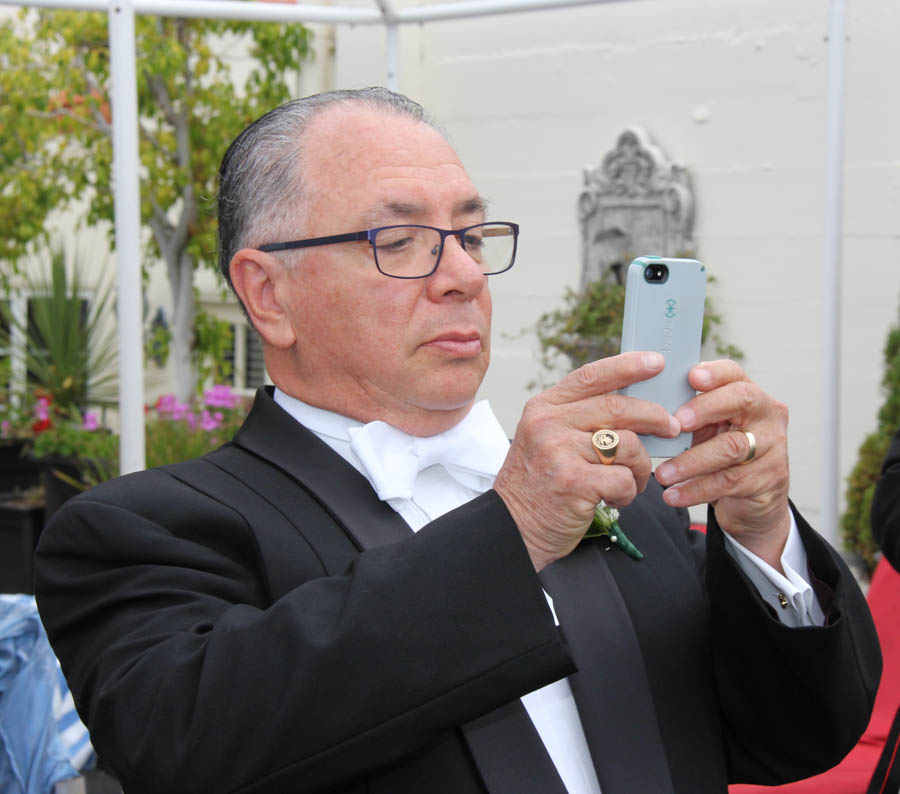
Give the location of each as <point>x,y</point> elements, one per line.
<point>410,352</point>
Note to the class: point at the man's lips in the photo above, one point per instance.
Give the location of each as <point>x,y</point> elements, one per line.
<point>462,344</point>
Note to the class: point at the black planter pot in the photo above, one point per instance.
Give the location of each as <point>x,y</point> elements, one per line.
<point>18,471</point>
<point>57,490</point>
<point>20,527</point>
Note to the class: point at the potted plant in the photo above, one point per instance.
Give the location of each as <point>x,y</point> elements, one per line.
<point>18,470</point>
<point>75,453</point>
<point>588,326</point>
<point>67,348</point>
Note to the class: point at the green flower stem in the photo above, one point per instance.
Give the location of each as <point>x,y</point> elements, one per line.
<point>606,523</point>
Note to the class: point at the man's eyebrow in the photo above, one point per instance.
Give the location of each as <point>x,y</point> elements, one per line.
<point>471,206</point>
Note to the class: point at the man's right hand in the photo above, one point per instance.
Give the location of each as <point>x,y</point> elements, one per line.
<point>552,479</point>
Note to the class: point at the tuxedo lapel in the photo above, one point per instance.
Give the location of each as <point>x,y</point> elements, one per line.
<point>271,433</point>
<point>506,747</point>
<point>611,689</point>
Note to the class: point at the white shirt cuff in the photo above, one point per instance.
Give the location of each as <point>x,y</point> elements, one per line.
<point>791,595</point>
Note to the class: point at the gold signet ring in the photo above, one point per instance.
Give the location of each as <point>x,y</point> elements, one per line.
<point>606,444</point>
<point>751,452</point>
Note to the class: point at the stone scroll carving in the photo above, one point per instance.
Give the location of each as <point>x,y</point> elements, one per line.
<point>635,202</point>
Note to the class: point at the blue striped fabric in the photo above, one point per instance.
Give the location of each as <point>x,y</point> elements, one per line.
<point>42,741</point>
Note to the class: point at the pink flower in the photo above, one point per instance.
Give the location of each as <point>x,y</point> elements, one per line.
<point>220,396</point>
<point>42,409</point>
<point>169,408</point>
<point>209,421</point>
<point>5,427</point>
<point>90,421</point>
<point>166,403</point>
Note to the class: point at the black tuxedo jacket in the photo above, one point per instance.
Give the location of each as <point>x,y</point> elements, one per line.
<point>257,620</point>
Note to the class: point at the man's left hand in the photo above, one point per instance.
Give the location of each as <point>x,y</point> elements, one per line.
<point>750,498</point>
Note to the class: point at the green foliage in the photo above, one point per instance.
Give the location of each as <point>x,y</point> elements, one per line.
<point>95,450</point>
<point>589,326</point>
<point>177,432</point>
<point>174,432</point>
<point>55,115</point>
<point>856,529</point>
<point>213,339</point>
<point>157,344</point>
<point>70,354</point>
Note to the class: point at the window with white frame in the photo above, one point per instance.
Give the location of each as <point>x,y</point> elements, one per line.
<point>248,367</point>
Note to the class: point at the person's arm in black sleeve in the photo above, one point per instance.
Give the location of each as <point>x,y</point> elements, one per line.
<point>886,505</point>
<point>191,680</point>
<point>794,700</point>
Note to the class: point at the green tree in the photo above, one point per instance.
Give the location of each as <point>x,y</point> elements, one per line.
<point>55,130</point>
<point>856,528</point>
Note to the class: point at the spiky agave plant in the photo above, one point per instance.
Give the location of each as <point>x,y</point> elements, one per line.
<point>70,345</point>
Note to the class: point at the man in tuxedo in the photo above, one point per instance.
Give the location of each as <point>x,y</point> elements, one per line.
<point>371,590</point>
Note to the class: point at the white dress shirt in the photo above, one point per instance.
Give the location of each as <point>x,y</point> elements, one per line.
<point>436,491</point>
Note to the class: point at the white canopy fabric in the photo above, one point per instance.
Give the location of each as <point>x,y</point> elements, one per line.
<point>127,185</point>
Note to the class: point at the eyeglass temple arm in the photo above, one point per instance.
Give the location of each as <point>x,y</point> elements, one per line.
<point>350,237</point>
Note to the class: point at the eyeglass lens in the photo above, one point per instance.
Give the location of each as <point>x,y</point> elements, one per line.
<point>413,251</point>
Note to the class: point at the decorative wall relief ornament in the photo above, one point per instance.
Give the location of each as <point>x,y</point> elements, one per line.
<point>635,202</point>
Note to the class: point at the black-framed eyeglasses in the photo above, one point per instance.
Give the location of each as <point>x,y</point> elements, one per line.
<point>414,251</point>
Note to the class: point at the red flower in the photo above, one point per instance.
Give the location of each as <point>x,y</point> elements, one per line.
<point>42,424</point>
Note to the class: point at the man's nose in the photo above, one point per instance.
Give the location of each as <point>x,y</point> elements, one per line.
<point>457,273</point>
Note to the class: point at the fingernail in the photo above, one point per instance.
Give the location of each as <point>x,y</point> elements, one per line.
<point>665,472</point>
<point>671,495</point>
<point>674,426</point>
<point>654,360</point>
<point>686,417</point>
<point>702,377</point>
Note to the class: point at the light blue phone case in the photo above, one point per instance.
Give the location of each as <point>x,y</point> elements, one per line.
<point>666,317</point>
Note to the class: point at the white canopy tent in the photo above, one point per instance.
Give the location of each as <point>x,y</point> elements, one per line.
<point>127,186</point>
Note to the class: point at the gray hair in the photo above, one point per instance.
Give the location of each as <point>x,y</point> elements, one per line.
<point>261,177</point>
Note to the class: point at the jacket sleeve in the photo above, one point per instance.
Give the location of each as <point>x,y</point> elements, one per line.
<point>191,679</point>
<point>794,701</point>
<point>886,505</point>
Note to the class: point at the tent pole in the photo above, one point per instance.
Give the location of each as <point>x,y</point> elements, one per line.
<point>831,274</point>
<point>132,456</point>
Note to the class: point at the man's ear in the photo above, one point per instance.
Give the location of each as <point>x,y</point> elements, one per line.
<point>254,275</point>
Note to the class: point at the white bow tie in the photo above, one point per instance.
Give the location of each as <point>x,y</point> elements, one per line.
<point>472,452</point>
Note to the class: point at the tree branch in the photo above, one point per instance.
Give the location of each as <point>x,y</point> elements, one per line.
<point>156,143</point>
<point>96,91</point>
<point>161,95</point>
<point>182,124</point>
<point>105,129</point>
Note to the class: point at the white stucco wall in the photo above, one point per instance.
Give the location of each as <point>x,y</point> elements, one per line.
<point>734,90</point>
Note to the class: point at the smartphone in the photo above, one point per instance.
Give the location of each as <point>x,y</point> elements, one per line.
<point>664,302</point>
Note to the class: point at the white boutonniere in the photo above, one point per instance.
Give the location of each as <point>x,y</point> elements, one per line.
<point>606,523</point>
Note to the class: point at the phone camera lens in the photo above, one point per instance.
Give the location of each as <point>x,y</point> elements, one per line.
<point>656,273</point>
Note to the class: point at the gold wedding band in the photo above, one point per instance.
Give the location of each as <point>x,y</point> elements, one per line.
<point>606,444</point>
<point>751,452</point>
